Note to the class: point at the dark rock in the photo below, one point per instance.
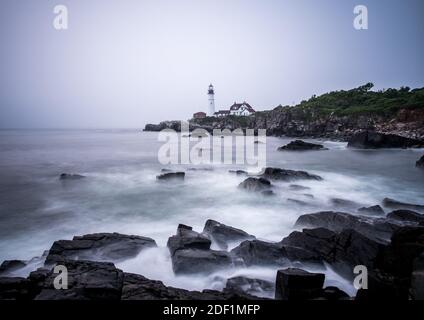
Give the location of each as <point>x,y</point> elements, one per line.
<point>374,140</point>
<point>377,229</point>
<point>242,285</point>
<point>333,294</point>
<point>288,175</point>
<point>394,204</point>
<point>239,172</point>
<point>373,210</point>
<point>14,289</point>
<point>268,193</point>
<point>297,284</point>
<point>420,163</point>
<point>257,252</point>
<point>296,187</point>
<point>11,265</point>
<point>299,145</point>
<point>69,176</point>
<point>298,202</point>
<point>87,280</point>
<point>110,247</point>
<point>255,184</point>
<point>417,279</point>
<point>190,253</point>
<point>343,203</point>
<point>171,176</point>
<point>223,234</point>
<point>191,261</point>
<point>383,287</point>
<point>342,250</point>
<point>406,215</point>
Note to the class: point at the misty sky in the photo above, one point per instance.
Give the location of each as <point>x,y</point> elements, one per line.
<point>129,62</point>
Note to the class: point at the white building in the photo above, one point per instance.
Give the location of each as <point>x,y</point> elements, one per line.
<point>211,100</point>
<point>241,109</point>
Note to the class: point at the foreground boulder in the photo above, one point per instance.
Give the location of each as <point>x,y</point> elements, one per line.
<point>191,253</point>
<point>420,163</point>
<point>417,279</point>
<point>406,216</point>
<point>244,285</point>
<point>342,250</point>
<point>171,176</point>
<point>15,289</point>
<point>377,229</point>
<point>112,247</point>
<point>394,204</point>
<point>297,284</point>
<point>255,184</point>
<point>222,234</point>
<point>375,140</point>
<point>288,175</point>
<point>299,145</point>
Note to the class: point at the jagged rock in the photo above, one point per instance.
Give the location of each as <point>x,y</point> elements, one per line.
<point>343,203</point>
<point>242,285</point>
<point>373,210</point>
<point>137,287</point>
<point>98,247</point>
<point>420,163</point>
<point>342,250</point>
<point>297,284</point>
<point>70,176</point>
<point>394,204</point>
<point>171,176</point>
<point>377,229</point>
<point>299,145</point>
<point>223,234</point>
<point>417,279</point>
<point>296,187</point>
<point>239,172</point>
<point>255,184</point>
<point>87,280</point>
<point>11,265</point>
<point>190,253</point>
<point>14,289</point>
<point>374,140</point>
<point>257,252</point>
<point>406,215</point>
<point>288,175</point>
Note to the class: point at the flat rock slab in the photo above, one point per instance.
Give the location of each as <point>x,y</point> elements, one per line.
<point>288,175</point>
<point>300,145</point>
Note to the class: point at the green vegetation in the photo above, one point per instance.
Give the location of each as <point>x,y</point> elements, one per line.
<point>363,101</point>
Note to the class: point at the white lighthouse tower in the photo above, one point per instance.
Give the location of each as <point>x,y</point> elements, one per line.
<point>211,99</point>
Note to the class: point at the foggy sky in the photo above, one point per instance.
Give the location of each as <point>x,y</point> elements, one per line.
<point>129,62</point>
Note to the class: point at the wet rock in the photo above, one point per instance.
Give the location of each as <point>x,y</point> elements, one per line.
<point>239,172</point>
<point>268,193</point>
<point>296,187</point>
<point>171,176</point>
<point>373,210</point>
<point>288,175</point>
<point>190,253</point>
<point>297,284</point>
<point>299,145</point>
<point>417,279</point>
<point>298,202</point>
<point>406,215</point>
<point>394,204</point>
<point>255,184</point>
<point>9,266</point>
<point>70,176</point>
<point>261,253</point>
<point>343,203</point>
<point>342,250</point>
<point>242,285</point>
<point>14,289</point>
<point>222,234</point>
<point>420,163</point>
<point>377,229</point>
<point>375,140</point>
<point>87,280</point>
<point>98,247</point>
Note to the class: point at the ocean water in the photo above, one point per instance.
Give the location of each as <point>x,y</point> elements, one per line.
<point>121,194</point>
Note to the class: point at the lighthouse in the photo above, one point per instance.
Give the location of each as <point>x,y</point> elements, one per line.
<point>211,100</point>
